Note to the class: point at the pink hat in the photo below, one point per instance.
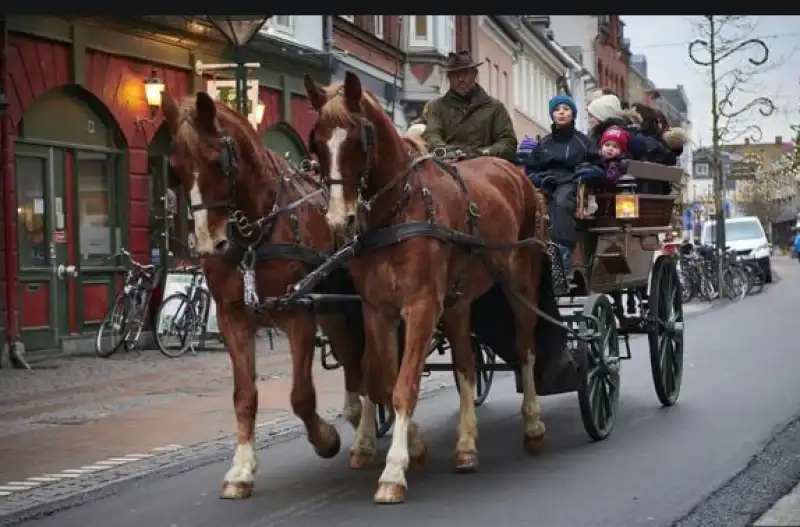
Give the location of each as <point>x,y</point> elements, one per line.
<point>616,135</point>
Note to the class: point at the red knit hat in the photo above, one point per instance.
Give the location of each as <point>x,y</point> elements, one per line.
<point>616,135</point>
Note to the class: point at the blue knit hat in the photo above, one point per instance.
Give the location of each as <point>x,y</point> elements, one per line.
<point>562,99</point>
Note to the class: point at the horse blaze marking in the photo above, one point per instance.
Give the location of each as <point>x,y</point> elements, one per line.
<point>336,205</point>
<point>200,218</point>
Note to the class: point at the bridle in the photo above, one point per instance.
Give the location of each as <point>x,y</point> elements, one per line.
<point>238,221</point>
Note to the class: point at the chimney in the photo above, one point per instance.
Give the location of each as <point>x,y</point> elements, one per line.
<point>779,140</point>
<point>747,140</point>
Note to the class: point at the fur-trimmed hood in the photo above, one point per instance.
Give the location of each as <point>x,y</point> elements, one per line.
<point>675,138</point>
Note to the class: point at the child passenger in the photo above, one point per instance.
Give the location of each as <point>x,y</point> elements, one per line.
<point>558,163</point>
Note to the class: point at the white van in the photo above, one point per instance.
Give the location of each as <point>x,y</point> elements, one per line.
<point>746,236</point>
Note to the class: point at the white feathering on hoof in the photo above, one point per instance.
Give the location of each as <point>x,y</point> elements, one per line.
<point>416,130</point>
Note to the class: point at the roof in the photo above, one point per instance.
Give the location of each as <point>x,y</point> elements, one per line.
<point>675,97</point>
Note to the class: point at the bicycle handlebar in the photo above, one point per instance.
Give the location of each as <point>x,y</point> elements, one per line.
<point>124,252</point>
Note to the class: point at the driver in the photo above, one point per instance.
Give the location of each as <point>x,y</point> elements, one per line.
<point>467,117</point>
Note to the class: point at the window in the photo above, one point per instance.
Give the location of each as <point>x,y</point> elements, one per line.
<point>379,26</point>
<point>450,33</point>
<point>518,83</point>
<point>506,88</point>
<point>282,24</point>
<point>701,169</point>
<point>349,18</point>
<point>421,30</point>
<point>496,89</point>
<point>94,220</point>
<point>31,217</point>
<point>489,76</point>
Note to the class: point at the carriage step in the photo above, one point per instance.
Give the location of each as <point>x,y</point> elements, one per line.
<point>560,281</point>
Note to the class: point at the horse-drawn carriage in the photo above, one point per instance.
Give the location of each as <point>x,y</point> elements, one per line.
<point>463,246</point>
<point>615,257</point>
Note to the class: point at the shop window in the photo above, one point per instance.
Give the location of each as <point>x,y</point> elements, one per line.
<point>32,217</point>
<point>94,197</point>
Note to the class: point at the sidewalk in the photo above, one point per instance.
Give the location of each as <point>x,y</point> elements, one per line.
<point>786,512</point>
<point>74,412</point>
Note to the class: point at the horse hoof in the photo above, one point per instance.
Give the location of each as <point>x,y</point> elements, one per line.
<point>360,460</point>
<point>330,450</point>
<point>534,444</point>
<point>236,490</point>
<point>466,462</point>
<point>390,493</point>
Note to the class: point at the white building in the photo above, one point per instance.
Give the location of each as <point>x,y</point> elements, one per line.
<point>303,30</point>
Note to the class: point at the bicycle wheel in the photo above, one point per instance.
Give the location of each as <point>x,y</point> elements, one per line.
<point>111,333</point>
<point>734,285</point>
<point>757,279</point>
<point>177,325</point>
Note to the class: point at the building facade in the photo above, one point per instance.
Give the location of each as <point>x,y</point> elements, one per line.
<point>427,40</point>
<point>640,87</point>
<point>498,46</point>
<point>371,47</point>
<point>78,188</point>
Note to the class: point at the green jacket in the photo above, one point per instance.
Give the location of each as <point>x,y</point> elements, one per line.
<point>476,122</point>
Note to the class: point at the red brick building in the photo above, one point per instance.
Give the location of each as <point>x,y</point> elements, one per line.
<point>613,55</point>
<point>81,156</point>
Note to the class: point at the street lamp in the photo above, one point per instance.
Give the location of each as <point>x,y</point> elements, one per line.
<point>239,30</point>
<point>721,108</point>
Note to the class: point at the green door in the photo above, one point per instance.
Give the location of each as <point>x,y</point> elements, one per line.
<point>278,139</point>
<point>43,245</point>
<point>97,218</point>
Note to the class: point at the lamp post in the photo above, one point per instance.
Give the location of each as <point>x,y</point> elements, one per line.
<point>239,30</point>
<point>720,109</point>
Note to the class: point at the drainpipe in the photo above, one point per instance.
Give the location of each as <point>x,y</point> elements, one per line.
<point>327,38</point>
<point>9,205</point>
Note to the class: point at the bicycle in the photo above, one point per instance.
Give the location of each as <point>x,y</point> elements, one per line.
<point>128,314</point>
<point>184,315</point>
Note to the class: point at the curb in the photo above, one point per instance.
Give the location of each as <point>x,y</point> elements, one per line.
<point>25,505</point>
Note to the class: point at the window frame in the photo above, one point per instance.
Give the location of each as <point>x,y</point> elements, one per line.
<point>414,38</point>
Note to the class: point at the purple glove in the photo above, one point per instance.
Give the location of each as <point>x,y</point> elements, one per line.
<point>527,143</point>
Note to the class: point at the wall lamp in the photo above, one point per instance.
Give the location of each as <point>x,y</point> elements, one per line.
<point>153,90</point>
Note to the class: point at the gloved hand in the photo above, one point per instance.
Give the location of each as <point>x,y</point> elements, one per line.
<point>548,183</point>
<point>589,173</point>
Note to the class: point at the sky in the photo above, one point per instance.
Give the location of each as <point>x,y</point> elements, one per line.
<point>664,40</point>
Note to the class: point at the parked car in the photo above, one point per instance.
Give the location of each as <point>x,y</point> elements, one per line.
<point>746,236</point>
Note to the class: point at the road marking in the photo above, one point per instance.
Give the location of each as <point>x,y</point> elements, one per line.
<point>12,487</point>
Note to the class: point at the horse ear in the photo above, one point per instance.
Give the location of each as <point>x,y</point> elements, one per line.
<point>171,113</point>
<point>352,91</point>
<point>315,94</point>
<point>206,110</point>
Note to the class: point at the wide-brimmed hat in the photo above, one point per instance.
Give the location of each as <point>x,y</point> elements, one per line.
<point>460,60</point>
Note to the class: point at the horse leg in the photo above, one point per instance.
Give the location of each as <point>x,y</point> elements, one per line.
<point>323,436</point>
<point>239,334</point>
<point>420,317</point>
<point>455,323</point>
<point>348,353</point>
<point>527,285</point>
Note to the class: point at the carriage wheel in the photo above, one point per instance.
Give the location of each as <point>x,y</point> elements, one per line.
<point>384,419</point>
<point>598,368</point>
<point>485,360</point>
<point>665,334</point>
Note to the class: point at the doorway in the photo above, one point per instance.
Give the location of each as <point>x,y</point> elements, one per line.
<point>70,181</point>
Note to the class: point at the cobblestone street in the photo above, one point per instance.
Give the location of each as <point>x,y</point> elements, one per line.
<point>75,411</point>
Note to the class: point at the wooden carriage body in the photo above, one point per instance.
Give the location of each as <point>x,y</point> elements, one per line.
<point>616,253</point>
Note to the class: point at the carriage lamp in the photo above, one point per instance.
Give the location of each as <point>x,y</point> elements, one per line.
<point>626,200</point>
<point>153,90</point>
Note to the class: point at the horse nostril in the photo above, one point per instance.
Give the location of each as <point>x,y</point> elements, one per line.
<point>221,246</point>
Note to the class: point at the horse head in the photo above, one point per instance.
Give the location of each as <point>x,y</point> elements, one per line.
<point>358,147</point>
<point>217,155</point>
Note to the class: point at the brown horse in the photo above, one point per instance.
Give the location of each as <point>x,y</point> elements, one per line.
<point>376,181</point>
<point>244,196</point>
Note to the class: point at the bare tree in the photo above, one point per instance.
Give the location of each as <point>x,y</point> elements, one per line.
<point>774,182</point>
<point>722,37</point>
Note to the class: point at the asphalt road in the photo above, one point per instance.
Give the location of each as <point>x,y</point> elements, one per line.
<point>661,466</point>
